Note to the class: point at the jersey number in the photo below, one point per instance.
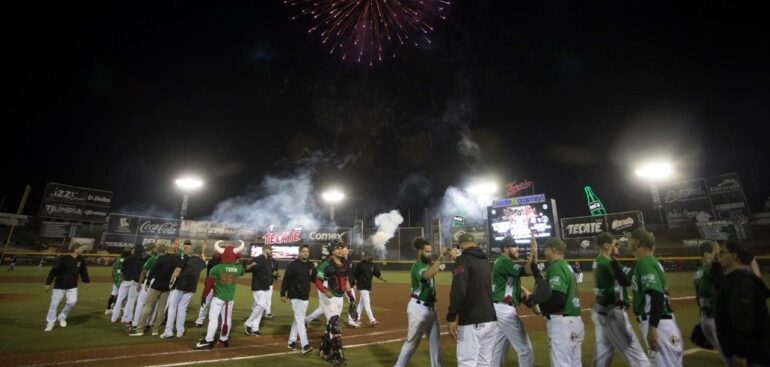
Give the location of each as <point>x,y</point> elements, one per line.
<point>227,279</point>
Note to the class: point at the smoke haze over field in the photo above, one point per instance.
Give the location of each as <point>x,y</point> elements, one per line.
<point>387,224</point>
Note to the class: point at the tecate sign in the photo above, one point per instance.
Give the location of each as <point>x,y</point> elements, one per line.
<point>584,228</point>
<point>326,236</point>
<point>272,238</point>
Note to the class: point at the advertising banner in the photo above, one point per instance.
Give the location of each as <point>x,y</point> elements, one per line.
<point>59,193</point>
<point>122,224</point>
<point>72,212</point>
<point>157,227</point>
<point>193,229</point>
<point>54,229</point>
<point>728,198</point>
<point>116,243</point>
<point>324,235</point>
<point>617,223</point>
<point>590,226</point>
<point>686,202</point>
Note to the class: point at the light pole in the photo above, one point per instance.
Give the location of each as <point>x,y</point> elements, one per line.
<point>332,197</point>
<point>187,184</point>
<point>656,172</point>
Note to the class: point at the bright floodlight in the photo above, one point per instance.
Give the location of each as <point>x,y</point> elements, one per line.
<point>189,183</point>
<point>333,196</point>
<point>482,188</point>
<point>655,171</point>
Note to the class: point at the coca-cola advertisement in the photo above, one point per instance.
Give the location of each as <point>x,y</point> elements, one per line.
<point>158,227</point>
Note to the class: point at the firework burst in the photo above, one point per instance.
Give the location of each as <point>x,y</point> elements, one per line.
<point>364,30</point>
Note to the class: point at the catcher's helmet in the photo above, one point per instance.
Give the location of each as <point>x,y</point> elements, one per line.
<point>334,243</point>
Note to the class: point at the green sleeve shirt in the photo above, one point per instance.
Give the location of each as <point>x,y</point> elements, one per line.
<point>422,289</point>
<point>648,275</point>
<point>506,281</point>
<point>116,271</point>
<point>561,279</point>
<point>225,280</point>
<point>705,290</point>
<point>606,287</point>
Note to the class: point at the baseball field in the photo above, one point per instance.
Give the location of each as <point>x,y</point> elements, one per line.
<point>91,340</point>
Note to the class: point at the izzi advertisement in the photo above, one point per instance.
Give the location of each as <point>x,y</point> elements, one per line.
<point>73,203</point>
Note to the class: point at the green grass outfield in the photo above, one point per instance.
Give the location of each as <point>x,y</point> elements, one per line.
<point>23,306</point>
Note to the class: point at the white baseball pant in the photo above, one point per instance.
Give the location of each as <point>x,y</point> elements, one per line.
<point>511,331</point>
<point>332,306</point>
<point>565,337</point>
<point>475,343</point>
<point>579,278</point>
<point>204,310</point>
<point>318,311</point>
<point>260,300</point>
<point>299,307</point>
<point>365,303</point>
<point>140,301</point>
<point>177,312</point>
<point>422,320</point>
<point>225,309</point>
<point>122,295</point>
<point>613,332</point>
<point>709,329</point>
<point>133,294</point>
<point>269,309</point>
<point>670,341</point>
<point>56,296</point>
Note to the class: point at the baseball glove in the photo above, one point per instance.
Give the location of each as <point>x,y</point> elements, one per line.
<point>352,311</point>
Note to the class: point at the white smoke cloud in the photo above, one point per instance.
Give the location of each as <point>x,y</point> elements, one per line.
<point>471,206</point>
<point>468,147</point>
<point>283,202</point>
<point>387,224</point>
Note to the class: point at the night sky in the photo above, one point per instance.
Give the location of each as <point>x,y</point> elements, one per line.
<point>126,96</point>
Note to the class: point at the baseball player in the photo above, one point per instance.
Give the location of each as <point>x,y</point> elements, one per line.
<point>332,280</point>
<point>421,309</point>
<point>364,272</point>
<point>611,326</point>
<point>296,289</point>
<point>276,276</point>
<point>222,280</point>
<point>186,274</point>
<point>562,310</point>
<point>506,294</point>
<point>705,293</point>
<point>206,301</point>
<point>129,271</point>
<point>261,279</point>
<point>12,265</point>
<point>161,275</point>
<point>351,294</point>
<point>322,299</point>
<point>651,305</point>
<point>578,272</point>
<point>470,300</point>
<point>66,271</point>
<point>116,280</point>
<point>144,282</point>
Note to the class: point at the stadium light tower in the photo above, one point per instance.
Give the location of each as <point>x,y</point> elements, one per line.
<point>656,172</point>
<point>332,197</point>
<point>187,184</point>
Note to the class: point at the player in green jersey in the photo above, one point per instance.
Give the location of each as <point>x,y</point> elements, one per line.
<point>116,280</point>
<point>612,329</point>
<point>651,304</point>
<point>706,292</point>
<point>506,293</point>
<point>562,309</point>
<point>421,309</point>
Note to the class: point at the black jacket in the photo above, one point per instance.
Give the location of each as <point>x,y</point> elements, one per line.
<point>274,263</point>
<point>261,274</point>
<point>363,273</point>
<point>66,271</point>
<point>132,267</point>
<point>297,278</point>
<point>187,281</point>
<point>471,294</point>
<point>214,261</point>
<point>162,270</point>
<point>741,317</point>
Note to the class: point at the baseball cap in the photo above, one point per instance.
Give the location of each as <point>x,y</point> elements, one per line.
<point>187,242</point>
<point>556,243</point>
<point>161,248</point>
<point>197,249</point>
<point>604,237</point>
<point>466,237</point>
<point>508,242</point>
<point>645,238</point>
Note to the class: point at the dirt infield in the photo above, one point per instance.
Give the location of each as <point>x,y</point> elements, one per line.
<point>389,301</point>
<point>13,297</point>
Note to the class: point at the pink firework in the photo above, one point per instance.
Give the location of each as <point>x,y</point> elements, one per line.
<point>361,30</point>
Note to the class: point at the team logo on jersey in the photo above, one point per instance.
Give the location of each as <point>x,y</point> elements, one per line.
<point>574,337</point>
<point>674,340</point>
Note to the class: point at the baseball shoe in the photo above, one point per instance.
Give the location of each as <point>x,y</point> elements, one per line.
<point>134,332</point>
<point>353,324</point>
<point>48,327</point>
<point>269,316</point>
<point>179,335</point>
<point>307,349</point>
<point>63,323</point>
<point>197,325</point>
<point>155,333</point>
<point>107,311</point>
<point>203,344</point>
<point>166,336</point>
<point>247,329</point>
<point>225,343</point>
<point>293,346</point>
<point>373,323</point>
